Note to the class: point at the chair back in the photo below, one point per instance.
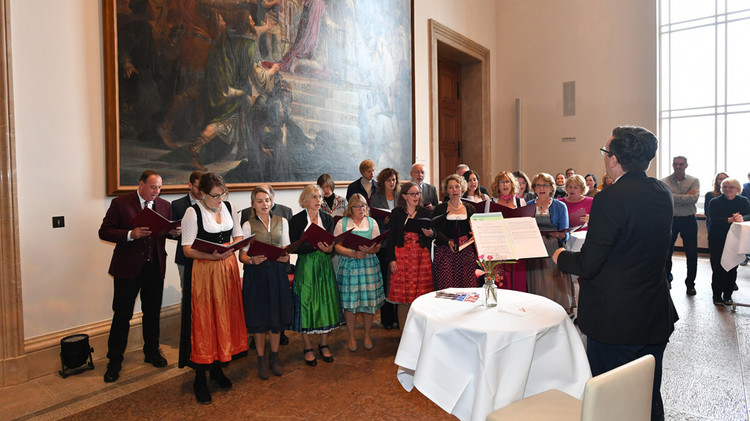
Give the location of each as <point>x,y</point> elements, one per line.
<point>623,393</point>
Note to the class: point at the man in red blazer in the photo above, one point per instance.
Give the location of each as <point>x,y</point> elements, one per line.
<point>624,306</point>
<point>138,266</point>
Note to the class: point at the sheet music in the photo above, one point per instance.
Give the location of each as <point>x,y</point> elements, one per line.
<point>526,238</point>
<point>507,238</point>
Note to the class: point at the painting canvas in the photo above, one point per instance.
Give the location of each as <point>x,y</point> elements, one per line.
<point>277,91</point>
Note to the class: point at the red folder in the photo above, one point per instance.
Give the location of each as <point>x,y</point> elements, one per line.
<point>158,224</point>
<point>480,207</point>
<point>523,211</point>
<point>271,252</point>
<point>379,213</point>
<point>314,234</point>
<point>209,247</point>
<point>354,241</point>
<point>575,217</point>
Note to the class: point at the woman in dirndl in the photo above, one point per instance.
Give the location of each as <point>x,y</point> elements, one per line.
<point>359,279</point>
<point>316,297</point>
<point>451,267</point>
<point>213,328</point>
<point>408,251</point>
<point>265,286</point>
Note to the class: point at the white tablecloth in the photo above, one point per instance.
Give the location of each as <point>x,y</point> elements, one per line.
<point>576,240</point>
<point>471,360</point>
<point>736,246</point>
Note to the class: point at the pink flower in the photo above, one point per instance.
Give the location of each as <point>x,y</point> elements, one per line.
<point>489,257</point>
<point>481,256</point>
<point>478,272</point>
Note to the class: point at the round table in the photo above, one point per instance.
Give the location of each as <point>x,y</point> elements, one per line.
<point>471,360</point>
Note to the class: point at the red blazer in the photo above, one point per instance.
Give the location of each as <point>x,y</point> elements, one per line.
<point>129,256</point>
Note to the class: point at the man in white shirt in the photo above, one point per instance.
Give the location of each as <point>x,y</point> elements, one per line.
<point>179,206</point>
<point>685,192</point>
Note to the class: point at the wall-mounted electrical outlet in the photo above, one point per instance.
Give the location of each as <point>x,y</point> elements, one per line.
<point>58,221</point>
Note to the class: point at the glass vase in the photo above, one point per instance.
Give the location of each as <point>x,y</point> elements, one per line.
<point>490,292</point>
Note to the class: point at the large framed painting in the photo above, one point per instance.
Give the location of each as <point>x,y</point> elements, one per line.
<point>272,91</point>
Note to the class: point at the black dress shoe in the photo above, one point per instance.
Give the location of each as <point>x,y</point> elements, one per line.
<point>314,361</point>
<point>328,359</point>
<point>728,302</point>
<point>718,301</point>
<point>113,373</point>
<point>388,326</point>
<point>156,359</point>
<point>283,340</point>
<point>691,291</point>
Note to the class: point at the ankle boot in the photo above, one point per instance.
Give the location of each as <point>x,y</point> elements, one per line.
<point>275,365</point>
<point>219,379</point>
<point>202,395</point>
<point>263,367</point>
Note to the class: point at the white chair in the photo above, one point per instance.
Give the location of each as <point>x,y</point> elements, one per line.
<point>623,393</point>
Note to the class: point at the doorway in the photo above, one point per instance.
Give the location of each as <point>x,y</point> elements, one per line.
<point>460,104</point>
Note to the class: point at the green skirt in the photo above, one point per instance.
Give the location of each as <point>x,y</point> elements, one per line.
<point>316,296</point>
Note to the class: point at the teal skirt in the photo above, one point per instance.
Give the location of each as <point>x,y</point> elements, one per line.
<point>316,298</point>
<point>360,284</point>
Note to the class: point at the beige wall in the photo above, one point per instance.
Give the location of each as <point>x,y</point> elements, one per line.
<point>607,47</point>
<point>535,46</point>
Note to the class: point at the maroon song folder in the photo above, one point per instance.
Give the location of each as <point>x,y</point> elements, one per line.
<point>272,253</point>
<point>158,224</point>
<point>314,234</point>
<point>209,247</point>
<point>354,241</point>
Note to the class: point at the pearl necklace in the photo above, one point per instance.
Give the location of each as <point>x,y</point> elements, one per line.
<point>450,205</point>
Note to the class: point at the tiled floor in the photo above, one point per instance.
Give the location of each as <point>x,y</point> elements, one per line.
<point>706,367</point>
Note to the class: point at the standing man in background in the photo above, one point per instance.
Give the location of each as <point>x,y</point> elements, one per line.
<point>685,191</point>
<point>429,192</point>
<point>138,266</point>
<point>178,211</point>
<point>624,306</point>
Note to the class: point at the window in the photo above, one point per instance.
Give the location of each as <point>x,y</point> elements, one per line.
<point>705,87</point>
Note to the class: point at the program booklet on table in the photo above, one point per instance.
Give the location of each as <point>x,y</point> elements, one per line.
<point>507,238</point>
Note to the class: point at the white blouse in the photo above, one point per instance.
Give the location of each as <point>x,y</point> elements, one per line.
<point>190,223</point>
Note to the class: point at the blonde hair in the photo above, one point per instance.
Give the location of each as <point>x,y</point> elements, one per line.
<point>307,193</point>
<point>734,182</point>
<point>356,199</point>
<point>458,179</point>
<point>578,180</point>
